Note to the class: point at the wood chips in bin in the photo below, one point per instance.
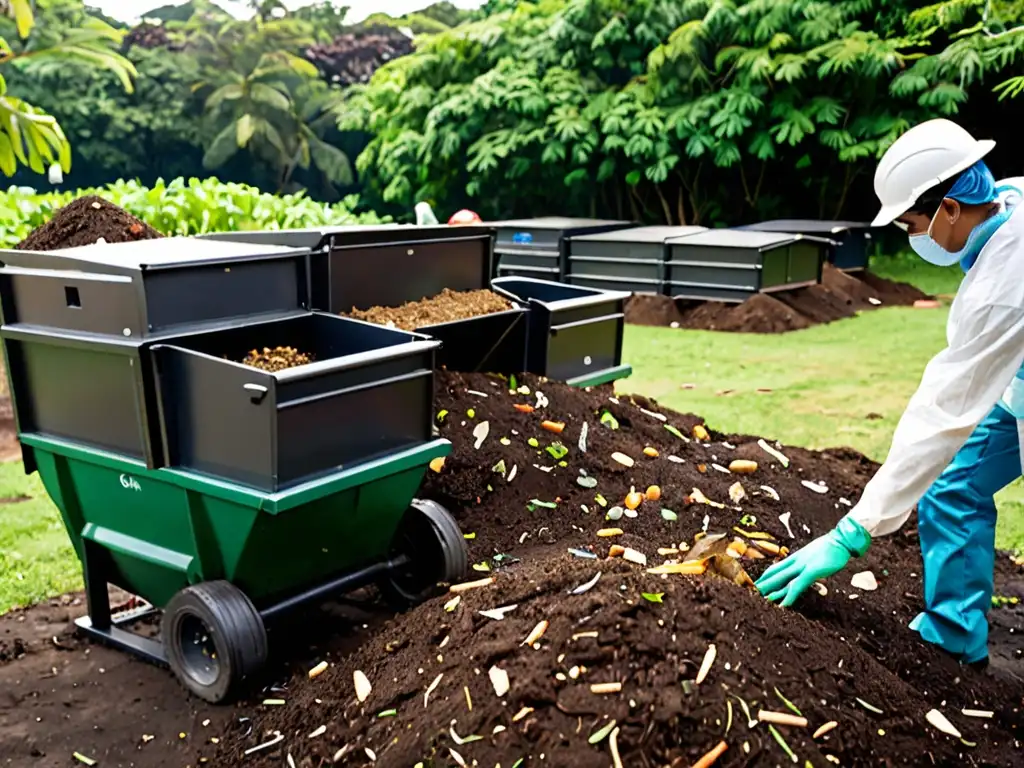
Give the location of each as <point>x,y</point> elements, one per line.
<point>273,359</point>
<point>445,307</point>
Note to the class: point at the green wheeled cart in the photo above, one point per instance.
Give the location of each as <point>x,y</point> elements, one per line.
<point>224,494</point>
<point>223,561</point>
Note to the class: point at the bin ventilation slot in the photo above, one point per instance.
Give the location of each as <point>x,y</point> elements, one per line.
<point>71,295</point>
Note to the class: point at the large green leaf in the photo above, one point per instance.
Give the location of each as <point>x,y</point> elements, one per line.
<point>331,161</point>
<point>23,17</point>
<point>223,147</point>
<point>229,92</point>
<point>268,131</point>
<point>245,127</point>
<point>272,97</point>
<point>31,138</point>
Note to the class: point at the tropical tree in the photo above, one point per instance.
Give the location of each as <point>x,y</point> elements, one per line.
<point>266,99</point>
<point>153,132</point>
<point>680,111</point>
<point>31,137</point>
<point>983,36</point>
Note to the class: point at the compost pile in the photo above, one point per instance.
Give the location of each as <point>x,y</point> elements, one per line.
<point>570,652</point>
<point>85,221</point>
<point>445,307</point>
<point>276,358</point>
<point>839,295</point>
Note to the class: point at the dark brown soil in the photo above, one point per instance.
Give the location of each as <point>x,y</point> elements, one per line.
<point>444,308</point>
<point>834,650</point>
<point>276,359</point>
<point>67,695</point>
<point>840,295</point>
<point>85,221</point>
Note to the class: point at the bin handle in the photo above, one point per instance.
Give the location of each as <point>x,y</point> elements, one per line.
<point>588,321</point>
<point>256,392</point>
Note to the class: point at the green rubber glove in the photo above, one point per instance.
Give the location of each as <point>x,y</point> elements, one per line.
<point>824,556</point>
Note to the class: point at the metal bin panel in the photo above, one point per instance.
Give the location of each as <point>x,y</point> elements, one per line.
<point>575,333</point>
<point>368,391</point>
<point>86,394</point>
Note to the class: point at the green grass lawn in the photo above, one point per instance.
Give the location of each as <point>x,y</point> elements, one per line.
<point>36,558</point>
<point>840,384</point>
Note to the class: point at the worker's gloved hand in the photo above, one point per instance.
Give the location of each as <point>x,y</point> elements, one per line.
<point>824,556</point>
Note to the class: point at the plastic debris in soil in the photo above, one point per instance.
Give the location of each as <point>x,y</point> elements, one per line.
<point>85,221</point>
<point>822,656</point>
<point>839,295</point>
<point>445,307</point>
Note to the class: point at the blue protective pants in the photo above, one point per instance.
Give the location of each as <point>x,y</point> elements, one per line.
<point>957,525</point>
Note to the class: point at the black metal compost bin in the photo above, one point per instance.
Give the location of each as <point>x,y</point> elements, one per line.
<point>732,265</point>
<point>384,265</point>
<point>77,322</point>
<point>387,266</point>
<point>368,391</point>
<point>624,259</point>
<point>539,247</point>
<point>851,240</point>
<point>575,333</point>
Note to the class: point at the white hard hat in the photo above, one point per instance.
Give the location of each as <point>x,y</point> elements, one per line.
<point>926,155</point>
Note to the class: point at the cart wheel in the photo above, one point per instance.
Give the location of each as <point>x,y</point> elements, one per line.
<point>214,639</point>
<point>429,536</point>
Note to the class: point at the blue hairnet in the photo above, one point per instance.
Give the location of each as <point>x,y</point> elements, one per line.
<point>975,186</point>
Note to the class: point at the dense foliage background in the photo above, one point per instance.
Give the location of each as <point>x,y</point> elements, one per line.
<point>680,111</point>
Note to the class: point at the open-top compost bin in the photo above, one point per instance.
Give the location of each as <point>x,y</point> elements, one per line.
<point>358,268</point>
<point>851,240</point>
<point>732,265</point>
<point>564,332</point>
<point>623,259</point>
<point>539,247</point>
<point>217,449</point>
<point>575,333</point>
<point>77,323</point>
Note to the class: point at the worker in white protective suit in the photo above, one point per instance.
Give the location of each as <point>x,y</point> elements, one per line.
<point>960,440</point>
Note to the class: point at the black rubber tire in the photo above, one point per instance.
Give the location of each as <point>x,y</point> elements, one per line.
<point>229,623</point>
<point>433,541</point>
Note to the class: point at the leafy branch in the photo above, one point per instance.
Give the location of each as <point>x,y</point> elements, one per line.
<point>31,137</point>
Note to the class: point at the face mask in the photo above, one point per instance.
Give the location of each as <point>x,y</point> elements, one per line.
<point>929,250</point>
<point>932,252</point>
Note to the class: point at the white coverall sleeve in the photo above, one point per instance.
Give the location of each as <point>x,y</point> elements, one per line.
<point>960,386</point>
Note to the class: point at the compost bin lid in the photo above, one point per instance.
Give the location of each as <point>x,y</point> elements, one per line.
<point>144,255</point>
<point>641,234</point>
<point>353,235</point>
<point>557,222</point>
<point>736,238</point>
<point>350,237</point>
<point>307,237</point>
<point>810,226</point>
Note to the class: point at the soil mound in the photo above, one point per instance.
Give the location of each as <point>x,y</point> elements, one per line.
<point>531,499</point>
<point>446,307</point>
<point>839,295</point>
<point>83,222</point>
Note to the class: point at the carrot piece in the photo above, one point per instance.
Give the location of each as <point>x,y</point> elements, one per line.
<point>523,407</point>
<point>553,426</point>
<point>709,759</point>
